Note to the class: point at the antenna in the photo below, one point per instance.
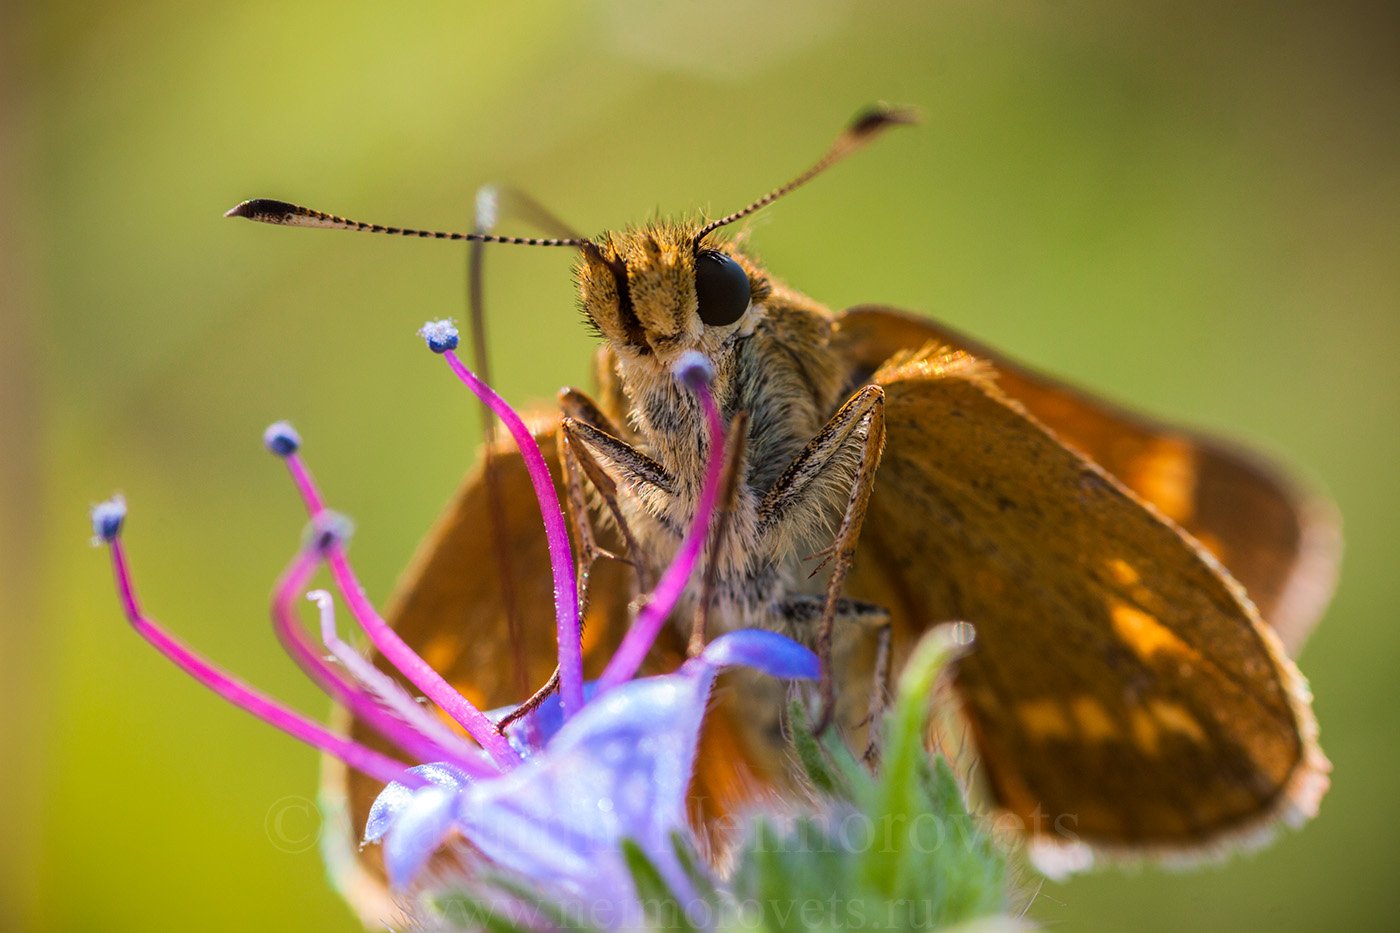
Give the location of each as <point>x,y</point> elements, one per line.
<point>285,214</point>
<point>865,127</point>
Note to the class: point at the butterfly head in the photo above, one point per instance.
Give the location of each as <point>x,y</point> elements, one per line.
<point>657,291</point>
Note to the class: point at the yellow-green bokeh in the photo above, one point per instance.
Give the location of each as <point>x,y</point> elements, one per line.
<point>1195,210</point>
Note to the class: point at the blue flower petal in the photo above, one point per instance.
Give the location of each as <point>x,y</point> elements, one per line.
<point>395,797</point>
<point>769,652</point>
<point>421,827</point>
<point>619,769</point>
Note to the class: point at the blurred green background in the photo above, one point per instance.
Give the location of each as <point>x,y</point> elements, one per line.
<point>1195,210</point>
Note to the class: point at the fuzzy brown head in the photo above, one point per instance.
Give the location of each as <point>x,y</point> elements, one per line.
<point>656,291</point>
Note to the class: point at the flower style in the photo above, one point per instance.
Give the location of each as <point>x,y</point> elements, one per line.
<point>558,799</point>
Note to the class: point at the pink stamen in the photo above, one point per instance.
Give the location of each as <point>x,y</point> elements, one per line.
<point>441,743</point>
<point>306,486</point>
<point>419,672</point>
<point>420,745</point>
<point>394,649</point>
<point>569,633</point>
<point>642,635</point>
<point>363,759</point>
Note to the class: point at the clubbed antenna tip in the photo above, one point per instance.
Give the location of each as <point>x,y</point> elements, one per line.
<point>881,116</point>
<point>866,126</point>
<point>263,210</point>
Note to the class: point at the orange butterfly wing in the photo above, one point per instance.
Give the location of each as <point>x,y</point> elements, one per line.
<point>1121,689</point>
<point>1281,543</point>
<point>451,607</point>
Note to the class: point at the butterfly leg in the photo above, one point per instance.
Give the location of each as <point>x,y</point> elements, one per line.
<point>616,469</point>
<point>879,693</point>
<point>578,463</point>
<point>846,450</point>
<point>860,643</point>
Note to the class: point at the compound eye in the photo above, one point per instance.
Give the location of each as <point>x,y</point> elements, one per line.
<point>721,288</point>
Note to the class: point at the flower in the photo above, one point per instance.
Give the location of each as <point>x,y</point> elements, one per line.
<point>618,771</point>
<point>595,778</point>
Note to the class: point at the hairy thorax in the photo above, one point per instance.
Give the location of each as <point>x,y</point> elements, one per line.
<point>783,373</point>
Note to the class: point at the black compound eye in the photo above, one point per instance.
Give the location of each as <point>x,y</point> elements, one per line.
<point>721,288</point>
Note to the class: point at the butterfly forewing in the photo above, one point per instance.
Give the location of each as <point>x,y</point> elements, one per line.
<point>1278,541</point>
<point>1122,690</point>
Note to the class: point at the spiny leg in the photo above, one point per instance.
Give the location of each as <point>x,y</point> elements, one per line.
<point>579,516</point>
<point>588,553</point>
<point>879,694</point>
<point>643,475</point>
<point>578,408</point>
<point>855,436</point>
<point>854,624</point>
<point>846,537</point>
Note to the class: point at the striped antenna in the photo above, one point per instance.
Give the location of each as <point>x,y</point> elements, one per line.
<point>865,127</point>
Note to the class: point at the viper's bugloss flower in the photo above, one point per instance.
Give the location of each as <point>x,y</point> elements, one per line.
<point>618,771</point>
<point>594,778</point>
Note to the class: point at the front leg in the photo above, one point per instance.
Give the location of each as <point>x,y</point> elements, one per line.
<point>579,463</point>
<point>845,453</point>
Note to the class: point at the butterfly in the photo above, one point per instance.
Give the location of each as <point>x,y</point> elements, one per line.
<point>1136,589</point>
